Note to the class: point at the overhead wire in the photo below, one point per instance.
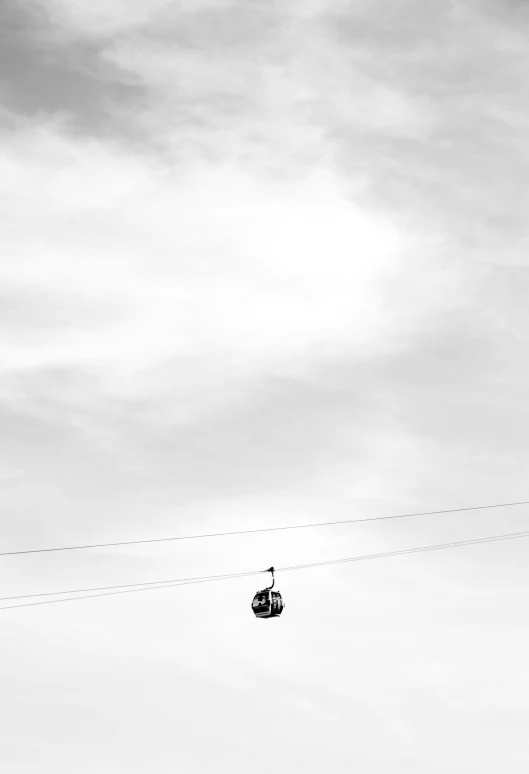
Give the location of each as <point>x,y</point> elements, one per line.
<point>153,585</point>
<point>310,525</point>
<point>145,587</point>
<point>199,579</point>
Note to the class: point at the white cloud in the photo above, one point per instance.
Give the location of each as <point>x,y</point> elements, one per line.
<point>203,262</point>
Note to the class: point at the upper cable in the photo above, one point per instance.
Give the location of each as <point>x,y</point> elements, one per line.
<point>254,531</point>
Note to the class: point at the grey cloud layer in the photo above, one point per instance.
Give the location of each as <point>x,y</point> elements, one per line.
<point>264,263</point>
<point>425,105</point>
<point>424,102</point>
<point>42,76</point>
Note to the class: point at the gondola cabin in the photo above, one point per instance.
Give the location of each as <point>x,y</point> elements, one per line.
<point>267,604</point>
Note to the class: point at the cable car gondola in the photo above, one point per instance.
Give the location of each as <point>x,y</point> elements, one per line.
<point>268,603</point>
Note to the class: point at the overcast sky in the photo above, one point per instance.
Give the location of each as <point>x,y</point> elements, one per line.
<point>264,263</point>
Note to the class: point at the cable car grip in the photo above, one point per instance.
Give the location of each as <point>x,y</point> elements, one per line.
<point>270,570</point>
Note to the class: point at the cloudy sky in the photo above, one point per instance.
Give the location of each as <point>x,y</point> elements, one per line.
<point>264,263</point>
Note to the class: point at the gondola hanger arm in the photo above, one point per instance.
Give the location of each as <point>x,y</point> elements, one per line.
<point>271,570</point>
